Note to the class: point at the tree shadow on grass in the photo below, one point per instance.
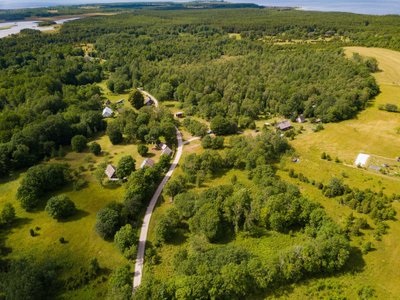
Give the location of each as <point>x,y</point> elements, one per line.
<point>180,237</point>
<point>355,263</point>
<point>112,185</point>
<point>149,155</point>
<point>5,230</point>
<point>80,214</point>
<point>13,176</point>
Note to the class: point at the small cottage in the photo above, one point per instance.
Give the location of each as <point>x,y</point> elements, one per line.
<point>107,112</point>
<point>301,119</point>
<point>111,172</point>
<point>148,101</point>
<point>179,114</point>
<point>148,162</point>
<point>284,125</point>
<point>166,150</point>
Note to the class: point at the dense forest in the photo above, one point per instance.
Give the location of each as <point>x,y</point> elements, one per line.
<point>184,56</point>
<point>227,66</point>
<point>217,214</point>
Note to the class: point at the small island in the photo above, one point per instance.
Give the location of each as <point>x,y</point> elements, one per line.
<point>46,23</point>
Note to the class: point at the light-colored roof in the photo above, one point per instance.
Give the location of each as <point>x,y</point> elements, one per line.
<point>148,162</point>
<point>107,112</point>
<point>284,125</point>
<point>166,151</point>
<point>361,160</point>
<point>300,119</point>
<point>376,168</point>
<point>111,171</point>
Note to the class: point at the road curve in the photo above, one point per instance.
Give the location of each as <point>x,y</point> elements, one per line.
<point>137,279</point>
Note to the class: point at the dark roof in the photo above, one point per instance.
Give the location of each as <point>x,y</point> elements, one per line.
<point>284,125</point>
<point>148,101</point>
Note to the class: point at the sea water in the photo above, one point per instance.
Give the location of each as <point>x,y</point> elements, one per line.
<point>376,7</point>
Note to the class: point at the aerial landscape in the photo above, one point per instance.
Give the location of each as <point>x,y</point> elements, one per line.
<point>199,150</point>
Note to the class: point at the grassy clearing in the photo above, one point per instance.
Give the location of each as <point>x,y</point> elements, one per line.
<point>114,97</point>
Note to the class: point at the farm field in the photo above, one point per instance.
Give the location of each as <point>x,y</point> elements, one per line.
<point>373,132</point>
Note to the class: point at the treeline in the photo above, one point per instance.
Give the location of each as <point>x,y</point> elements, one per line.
<point>214,75</point>
<point>217,214</point>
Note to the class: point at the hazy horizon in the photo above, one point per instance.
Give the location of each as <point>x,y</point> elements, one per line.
<point>355,6</point>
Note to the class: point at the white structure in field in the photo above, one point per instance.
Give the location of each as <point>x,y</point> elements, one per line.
<point>361,160</point>
<point>107,112</point>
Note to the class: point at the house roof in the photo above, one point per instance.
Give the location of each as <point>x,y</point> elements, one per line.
<point>111,171</point>
<point>284,125</point>
<point>148,100</point>
<point>107,112</point>
<point>301,119</point>
<point>148,162</point>
<point>361,159</point>
<point>166,150</point>
<point>376,168</point>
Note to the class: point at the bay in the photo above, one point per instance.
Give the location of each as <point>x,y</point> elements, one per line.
<point>375,7</point>
<point>9,28</point>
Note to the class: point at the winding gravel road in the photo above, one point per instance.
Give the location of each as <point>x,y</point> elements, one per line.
<point>137,279</point>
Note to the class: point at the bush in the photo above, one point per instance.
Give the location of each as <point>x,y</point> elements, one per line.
<point>95,148</point>
<point>213,143</point>
<point>389,107</point>
<point>367,247</point>
<point>60,207</point>
<point>334,188</point>
<point>196,128</point>
<point>143,150</point>
<point>7,214</point>
<point>120,284</point>
<point>318,128</point>
<point>125,238</point>
<point>109,220</point>
<point>78,143</point>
